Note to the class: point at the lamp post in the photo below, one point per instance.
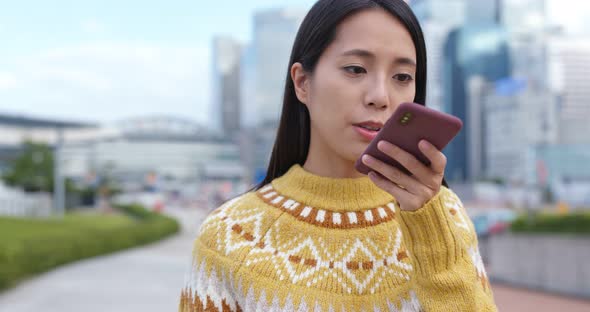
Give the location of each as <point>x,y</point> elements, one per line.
<point>58,179</point>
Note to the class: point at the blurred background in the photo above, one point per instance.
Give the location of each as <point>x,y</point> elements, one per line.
<point>123,124</point>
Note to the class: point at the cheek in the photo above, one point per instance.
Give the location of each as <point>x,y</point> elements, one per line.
<point>335,103</point>
<point>334,98</point>
<point>408,93</point>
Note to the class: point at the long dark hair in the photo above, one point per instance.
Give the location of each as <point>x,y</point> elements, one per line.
<point>316,32</point>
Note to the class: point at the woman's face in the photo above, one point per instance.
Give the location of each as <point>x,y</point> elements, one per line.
<point>360,79</point>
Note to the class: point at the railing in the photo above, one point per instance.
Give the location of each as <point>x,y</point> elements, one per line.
<point>16,203</point>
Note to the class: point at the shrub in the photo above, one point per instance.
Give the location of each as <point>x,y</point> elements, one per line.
<point>31,246</point>
<point>574,223</point>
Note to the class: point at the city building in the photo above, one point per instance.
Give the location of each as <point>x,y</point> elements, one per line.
<point>17,129</point>
<point>437,19</point>
<point>175,150</point>
<point>518,117</point>
<point>248,111</point>
<point>226,84</point>
<point>265,68</point>
<point>274,34</point>
<point>568,62</point>
<point>472,50</point>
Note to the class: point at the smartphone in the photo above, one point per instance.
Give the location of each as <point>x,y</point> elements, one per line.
<point>409,124</point>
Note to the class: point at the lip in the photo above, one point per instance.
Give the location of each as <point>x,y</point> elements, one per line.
<point>370,123</point>
<point>366,134</point>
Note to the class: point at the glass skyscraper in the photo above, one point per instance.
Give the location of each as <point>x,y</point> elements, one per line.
<point>478,48</point>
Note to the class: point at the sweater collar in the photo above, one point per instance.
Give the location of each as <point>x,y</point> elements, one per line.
<point>332,194</point>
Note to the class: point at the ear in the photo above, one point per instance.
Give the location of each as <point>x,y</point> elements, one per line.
<point>301,81</point>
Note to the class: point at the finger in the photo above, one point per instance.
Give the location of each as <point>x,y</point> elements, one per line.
<point>438,160</point>
<point>419,170</point>
<point>393,174</point>
<point>400,194</point>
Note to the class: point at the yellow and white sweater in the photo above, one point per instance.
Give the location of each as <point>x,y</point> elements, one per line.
<point>310,243</point>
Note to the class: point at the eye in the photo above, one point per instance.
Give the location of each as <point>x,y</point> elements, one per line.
<point>403,77</point>
<point>355,70</point>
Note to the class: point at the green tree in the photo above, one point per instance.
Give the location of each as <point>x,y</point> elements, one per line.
<point>32,170</point>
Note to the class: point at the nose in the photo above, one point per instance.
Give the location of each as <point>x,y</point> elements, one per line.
<point>378,95</point>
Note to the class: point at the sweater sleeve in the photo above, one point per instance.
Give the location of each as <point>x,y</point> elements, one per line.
<point>448,274</point>
<point>207,286</point>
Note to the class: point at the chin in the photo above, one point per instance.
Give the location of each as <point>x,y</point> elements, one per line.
<point>359,148</point>
<point>353,151</point>
<point>356,153</point>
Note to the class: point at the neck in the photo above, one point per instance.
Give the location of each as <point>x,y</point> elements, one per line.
<point>324,162</point>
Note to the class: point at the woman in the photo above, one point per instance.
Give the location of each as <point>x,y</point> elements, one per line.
<point>316,235</point>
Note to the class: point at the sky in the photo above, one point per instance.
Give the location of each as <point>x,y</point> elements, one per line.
<point>108,60</point>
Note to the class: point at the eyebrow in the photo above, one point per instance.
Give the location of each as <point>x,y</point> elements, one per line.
<point>367,54</point>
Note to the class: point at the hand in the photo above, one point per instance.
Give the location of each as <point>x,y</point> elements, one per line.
<point>415,190</point>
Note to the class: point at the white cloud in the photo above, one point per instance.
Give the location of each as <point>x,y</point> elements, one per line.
<point>108,81</point>
<point>93,26</point>
<point>73,77</point>
<point>8,81</point>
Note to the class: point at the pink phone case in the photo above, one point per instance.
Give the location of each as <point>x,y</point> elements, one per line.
<point>409,124</point>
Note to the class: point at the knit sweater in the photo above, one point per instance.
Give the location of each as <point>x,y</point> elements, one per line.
<point>310,243</point>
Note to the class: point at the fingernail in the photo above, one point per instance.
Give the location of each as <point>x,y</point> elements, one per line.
<point>424,144</point>
<point>366,159</point>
